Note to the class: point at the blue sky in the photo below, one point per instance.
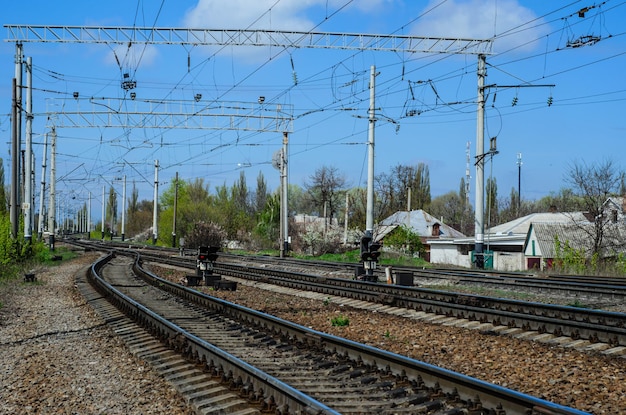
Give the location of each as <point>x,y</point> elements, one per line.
<point>330,99</point>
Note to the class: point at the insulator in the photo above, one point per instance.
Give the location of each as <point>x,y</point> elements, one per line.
<point>514,103</point>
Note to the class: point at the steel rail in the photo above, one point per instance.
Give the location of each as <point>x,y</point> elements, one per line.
<point>283,395</point>
<point>490,395</point>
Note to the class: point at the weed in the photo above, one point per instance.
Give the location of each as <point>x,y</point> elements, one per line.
<point>340,321</point>
<point>578,304</point>
<point>326,301</point>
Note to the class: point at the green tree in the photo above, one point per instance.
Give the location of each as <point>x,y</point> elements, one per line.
<point>261,194</point>
<point>268,220</point>
<point>404,239</point>
<point>193,205</point>
<point>111,212</point>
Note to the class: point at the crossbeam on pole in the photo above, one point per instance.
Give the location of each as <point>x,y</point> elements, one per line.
<point>245,37</point>
<point>170,114</point>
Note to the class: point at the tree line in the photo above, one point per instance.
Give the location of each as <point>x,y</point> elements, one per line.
<point>251,214</point>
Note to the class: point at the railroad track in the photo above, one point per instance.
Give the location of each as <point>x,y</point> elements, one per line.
<point>292,369</point>
<point>606,331</point>
<point>588,289</point>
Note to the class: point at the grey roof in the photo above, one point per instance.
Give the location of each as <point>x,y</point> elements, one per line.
<point>577,236</point>
<point>522,225</point>
<point>419,222</point>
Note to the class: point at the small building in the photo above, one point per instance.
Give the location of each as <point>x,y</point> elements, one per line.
<point>504,244</point>
<point>419,222</point>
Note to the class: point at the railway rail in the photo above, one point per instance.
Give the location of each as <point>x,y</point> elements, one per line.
<point>607,330</point>
<point>591,288</point>
<point>285,368</point>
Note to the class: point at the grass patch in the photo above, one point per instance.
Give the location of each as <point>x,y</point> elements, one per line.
<point>340,321</point>
<point>578,304</point>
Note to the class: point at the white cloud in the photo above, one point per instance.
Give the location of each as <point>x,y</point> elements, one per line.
<point>481,19</point>
<point>242,14</point>
<point>268,14</point>
<point>129,58</point>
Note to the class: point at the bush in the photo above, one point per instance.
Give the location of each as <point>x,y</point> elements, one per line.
<point>205,234</point>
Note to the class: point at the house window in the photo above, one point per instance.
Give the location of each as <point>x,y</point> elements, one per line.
<point>614,215</point>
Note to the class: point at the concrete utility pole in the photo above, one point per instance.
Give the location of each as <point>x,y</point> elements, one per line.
<point>15,152</point>
<point>28,189</point>
<point>369,219</point>
<point>284,202</point>
<point>16,141</point>
<point>155,223</point>
<point>89,218</point>
<point>53,181</point>
<point>479,225</point>
<point>42,190</point>
<point>123,208</point>
<point>369,263</point>
<point>103,213</point>
<point>175,211</point>
<point>519,183</point>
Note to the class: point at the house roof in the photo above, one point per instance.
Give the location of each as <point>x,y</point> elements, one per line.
<point>575,236</point>
<point>522,225</point>
<point>418,221</point>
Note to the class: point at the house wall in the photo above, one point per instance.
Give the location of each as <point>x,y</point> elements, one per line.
<point>532,248</point>
<point>509,261</point>
<point>448,254</point>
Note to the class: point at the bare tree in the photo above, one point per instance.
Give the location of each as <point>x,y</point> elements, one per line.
<point>325,188</point>
<point>594,184</point>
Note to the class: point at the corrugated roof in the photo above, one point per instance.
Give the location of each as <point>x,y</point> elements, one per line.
<point>578,236</point>
<point>522,225</point>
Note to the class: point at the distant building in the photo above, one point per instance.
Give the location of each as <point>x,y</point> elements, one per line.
<point>504,244</point>
<point>419,222</point>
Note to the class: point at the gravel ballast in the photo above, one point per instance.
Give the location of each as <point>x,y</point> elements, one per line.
<point>59,357</point>
<point>585,380</point>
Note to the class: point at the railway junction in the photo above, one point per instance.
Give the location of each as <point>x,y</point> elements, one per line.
<point>583,379</point>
